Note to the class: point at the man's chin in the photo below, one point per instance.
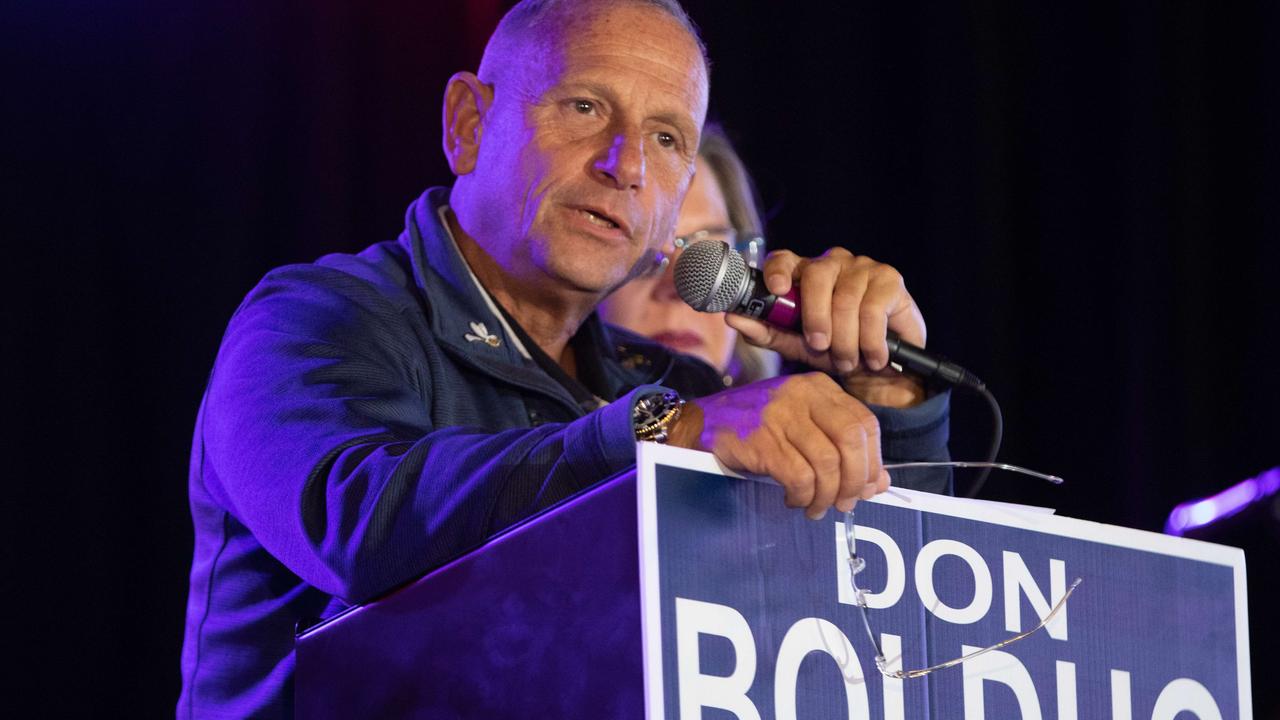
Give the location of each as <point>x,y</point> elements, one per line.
<point>593,276</point>
<point>589,284</point>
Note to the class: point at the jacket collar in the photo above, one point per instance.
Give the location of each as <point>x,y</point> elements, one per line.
<point>462,314</point>
<point>463,318</point>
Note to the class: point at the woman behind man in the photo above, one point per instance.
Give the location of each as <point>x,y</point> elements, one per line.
<point>720,205</point>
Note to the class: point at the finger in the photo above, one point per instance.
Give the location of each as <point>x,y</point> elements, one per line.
<point>780,267</point>
<point>846,430</point>
<point>846,305</point>
<point>871,490</point>
<point>886,296</point>
<point>788,344</point>
<point>908,321</point>
<point>878,476</point>
<point>824,458</point>
<point>817,284</point>
<point>753,331</point>
<point>858,431</point>
<point>791,469</point>
<point>883,483</point>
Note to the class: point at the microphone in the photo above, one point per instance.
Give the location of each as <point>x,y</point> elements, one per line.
<point>712,277</point>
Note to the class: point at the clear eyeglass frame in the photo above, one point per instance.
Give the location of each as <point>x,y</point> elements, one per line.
<point>857,564</point>
<point>750,245</point>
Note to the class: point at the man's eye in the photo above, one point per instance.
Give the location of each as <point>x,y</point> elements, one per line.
<point>584,107</point>
<point>666,139</point>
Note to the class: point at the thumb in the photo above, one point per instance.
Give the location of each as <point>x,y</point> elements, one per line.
<point>789,345</point>
<point>753,331</point>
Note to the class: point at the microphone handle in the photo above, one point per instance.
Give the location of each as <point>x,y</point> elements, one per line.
<point>929,366</point>
<point>784,311</point>
<point>778,310</point>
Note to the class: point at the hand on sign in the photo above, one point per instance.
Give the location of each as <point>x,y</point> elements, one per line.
<point>804,431</point>
<point>847,305</point>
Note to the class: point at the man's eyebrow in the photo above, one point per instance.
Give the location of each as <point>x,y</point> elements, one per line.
<point>591,87</point>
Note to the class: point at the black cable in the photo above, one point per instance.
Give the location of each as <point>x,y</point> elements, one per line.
<point>997,436</point>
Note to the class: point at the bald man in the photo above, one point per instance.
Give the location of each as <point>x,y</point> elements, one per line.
<point>370,416</point>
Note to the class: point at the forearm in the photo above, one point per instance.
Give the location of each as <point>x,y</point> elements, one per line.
<point>375,511</point>
<point>889,388</point>
<point>326,432</point>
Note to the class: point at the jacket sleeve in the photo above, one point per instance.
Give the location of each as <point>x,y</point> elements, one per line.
<point>917,434</point>
<point>317,435</point>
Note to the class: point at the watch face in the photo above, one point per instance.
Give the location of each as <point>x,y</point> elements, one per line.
<point>648,411</point>
<point>653,414</point>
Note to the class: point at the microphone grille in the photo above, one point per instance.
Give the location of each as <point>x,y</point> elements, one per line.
<point>697,270</point>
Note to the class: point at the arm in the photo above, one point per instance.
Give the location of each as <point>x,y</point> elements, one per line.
<point>318,436</point>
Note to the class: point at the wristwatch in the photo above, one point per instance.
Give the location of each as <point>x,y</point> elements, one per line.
<point>655,415</point>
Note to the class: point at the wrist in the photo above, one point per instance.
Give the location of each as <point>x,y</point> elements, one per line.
<point>895,390</point>
<point>687,430</point>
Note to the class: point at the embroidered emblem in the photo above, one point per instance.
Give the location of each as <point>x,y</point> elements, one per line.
<point>630,360</point>
<point>482,335</point>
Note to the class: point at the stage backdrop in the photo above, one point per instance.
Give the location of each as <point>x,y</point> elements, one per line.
<point>1082,197</point>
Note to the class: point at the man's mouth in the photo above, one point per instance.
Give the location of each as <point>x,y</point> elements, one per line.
<point>598,219</point>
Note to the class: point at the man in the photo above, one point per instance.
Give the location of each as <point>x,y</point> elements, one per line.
<point>371,416</point>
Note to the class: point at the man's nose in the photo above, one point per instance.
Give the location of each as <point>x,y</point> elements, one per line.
<point>622,165</point>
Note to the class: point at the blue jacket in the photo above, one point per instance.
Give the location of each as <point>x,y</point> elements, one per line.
<point>368,418</point>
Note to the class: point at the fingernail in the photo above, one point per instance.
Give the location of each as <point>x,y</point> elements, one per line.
<point>868,491</point>
<point>776,282</point>
<point>844,366</point>
<point>816,514</point>
<point>846,505</point>
<point>818,341</point>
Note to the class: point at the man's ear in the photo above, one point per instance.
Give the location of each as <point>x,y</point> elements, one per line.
<point>466,100</point>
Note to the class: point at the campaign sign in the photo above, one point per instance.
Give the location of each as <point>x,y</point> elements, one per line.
<point>747,610</point>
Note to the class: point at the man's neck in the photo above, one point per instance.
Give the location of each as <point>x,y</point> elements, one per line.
<point>549,317</point>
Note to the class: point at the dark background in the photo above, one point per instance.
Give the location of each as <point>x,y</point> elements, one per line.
<point>1083,199</point>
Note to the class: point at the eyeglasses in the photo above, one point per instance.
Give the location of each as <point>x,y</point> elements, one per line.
<point>750,245</point>
<point>858,564</point>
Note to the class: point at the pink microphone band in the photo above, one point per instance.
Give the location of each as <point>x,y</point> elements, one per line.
<point>786,310</point>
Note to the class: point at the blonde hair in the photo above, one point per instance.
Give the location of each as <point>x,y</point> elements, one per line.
<point>748,363</point>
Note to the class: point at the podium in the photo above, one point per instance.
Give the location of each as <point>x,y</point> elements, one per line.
<point>680,591</point>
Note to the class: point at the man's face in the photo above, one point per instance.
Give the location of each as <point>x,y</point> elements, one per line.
<point>585,159</point>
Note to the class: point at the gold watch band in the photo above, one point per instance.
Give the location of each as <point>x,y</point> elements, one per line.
<point>655,415</point>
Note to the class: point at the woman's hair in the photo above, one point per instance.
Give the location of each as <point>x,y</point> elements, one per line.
<point>749,363</point>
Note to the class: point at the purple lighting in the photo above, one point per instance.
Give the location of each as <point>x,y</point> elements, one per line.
<point>1198,513</point>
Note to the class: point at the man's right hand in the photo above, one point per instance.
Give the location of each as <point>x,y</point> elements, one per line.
<point>821,444</point>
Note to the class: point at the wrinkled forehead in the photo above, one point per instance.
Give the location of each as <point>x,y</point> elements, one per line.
<point>636,51</point>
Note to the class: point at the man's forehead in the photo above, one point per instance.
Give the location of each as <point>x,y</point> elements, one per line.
<point>634,23</point>
<point>648,52</point>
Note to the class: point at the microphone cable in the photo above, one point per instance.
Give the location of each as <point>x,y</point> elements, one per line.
<point>997,436</point>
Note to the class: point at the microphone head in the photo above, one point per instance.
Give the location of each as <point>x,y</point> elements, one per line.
<point>709,276</point>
